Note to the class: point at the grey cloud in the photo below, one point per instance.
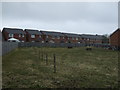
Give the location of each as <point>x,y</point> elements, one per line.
<point>70,17</point>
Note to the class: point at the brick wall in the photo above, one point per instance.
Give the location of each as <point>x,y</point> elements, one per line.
<point>115,38</point>
<point>6,36</point>
<point>36,39</point>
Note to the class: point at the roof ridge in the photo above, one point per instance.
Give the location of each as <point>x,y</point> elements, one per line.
<point>118,29</point>
<point>31,29</point>
<point>12,28</point>
<point>50,31</point>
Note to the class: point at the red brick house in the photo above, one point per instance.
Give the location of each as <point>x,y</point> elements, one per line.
<point>72,38</point>
<point>91,39</point>
<point>53,37</point>
<point>14,33</point>
<point>33,36</point>
<point>115,38</point>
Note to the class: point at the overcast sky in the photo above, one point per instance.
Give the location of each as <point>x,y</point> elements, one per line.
<point>77,17</point>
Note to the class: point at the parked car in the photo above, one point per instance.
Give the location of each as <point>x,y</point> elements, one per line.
<point>13,40</point>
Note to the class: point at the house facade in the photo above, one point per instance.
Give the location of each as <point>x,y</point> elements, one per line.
<point>14,33</point>
<point>72,38</point>
<point>53,37</point>
<point>33,36</point>
<point>91,39</point>
<point>115,38</point>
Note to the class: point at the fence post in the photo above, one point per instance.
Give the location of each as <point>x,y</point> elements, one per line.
<point>46,59</point>
<point>54,63</point>
<point>39,54</point>
<point>42,55</point>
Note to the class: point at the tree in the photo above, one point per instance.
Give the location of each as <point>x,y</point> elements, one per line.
<point>105,38</point>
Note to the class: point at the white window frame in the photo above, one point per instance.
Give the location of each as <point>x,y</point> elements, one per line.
<point>76,38</point>
<point>47,36</point>
<point>73,38</point>
<point>19,35</point>
<point>58,37</point>
<point>32,36</point>
<point>88,39</point>
<point>11,35</point>
<point>23,35</point>
<point>53,37</point>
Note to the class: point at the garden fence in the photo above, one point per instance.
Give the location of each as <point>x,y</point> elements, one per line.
<point>9,46</point>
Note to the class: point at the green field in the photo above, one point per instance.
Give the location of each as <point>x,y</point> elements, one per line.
<point>75,68</point>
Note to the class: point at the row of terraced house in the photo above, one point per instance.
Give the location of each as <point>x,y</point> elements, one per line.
<point>30,35</point>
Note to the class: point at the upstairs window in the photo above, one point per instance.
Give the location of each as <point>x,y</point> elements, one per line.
<point>32,36</point>
<point>58,37</point>
<point>46,36</point>
<point>76,38</point>
<point>19,35</point>
<point>23,35</point>
<point>72,38</point>
<point>88,39</point>
<point>10,35</point>
<point>53,37</point>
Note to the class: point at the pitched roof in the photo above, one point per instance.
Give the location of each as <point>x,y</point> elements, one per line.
<point>52,33</point>
<point>71,35</point>
<point>115,31</point>
<point>32,31</point>
<point>91,36</point>
<point>14,30</point>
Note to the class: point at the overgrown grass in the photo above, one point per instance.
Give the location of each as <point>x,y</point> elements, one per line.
<point>76,67</point>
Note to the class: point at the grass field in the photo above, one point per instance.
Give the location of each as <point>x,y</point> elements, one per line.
<point>75,67</point>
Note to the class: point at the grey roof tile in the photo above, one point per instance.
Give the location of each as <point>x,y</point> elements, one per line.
<point>31,31</point>
<point>14,30</point>
<point>52,33</point>
<point>71,35</point>
<point>91,36</point>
